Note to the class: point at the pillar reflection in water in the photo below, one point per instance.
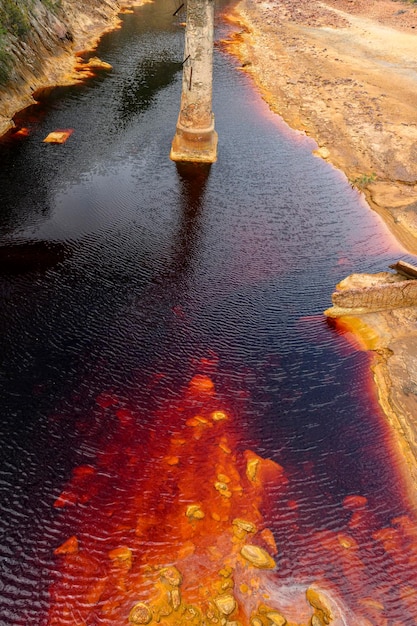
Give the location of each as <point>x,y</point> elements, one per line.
<point>192,178</point>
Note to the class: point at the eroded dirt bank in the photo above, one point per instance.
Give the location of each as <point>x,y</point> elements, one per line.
<point>345,72</point>
<point>44,55</point>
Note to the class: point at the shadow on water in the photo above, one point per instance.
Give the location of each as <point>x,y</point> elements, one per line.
<point>140,90</point>
<point>31,256</point>
<point>193,180</point>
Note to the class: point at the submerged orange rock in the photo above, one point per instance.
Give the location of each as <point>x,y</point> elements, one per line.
<point>58,136</point>
<point>70,546</point>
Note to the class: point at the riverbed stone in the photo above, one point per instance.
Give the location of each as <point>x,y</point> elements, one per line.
<point>140,614</point>
<point>70,546</point>
<point>121,556</point>
<point>226,584</point>
<point>322,152</point>
<point>224,445</point>
<point>258,557</point>
<point>276,618</point>
<point>175,598</point>
<point>223,489</point>
<point>355,502</point>
<point>252,469</point>
<point>194,511</point>
<point>58,136</point>
<point>226,604</point>
<point>171,575</point>
<point>191,616</point>
<point>347,542</point>
<point>201,384</point>
<point>218,416</point>
<point>319,603</point>
<point>172,460</point>
<point>269,539</point>
<point>96,63</point>
<point>226,571</point>
<point>244,525</point>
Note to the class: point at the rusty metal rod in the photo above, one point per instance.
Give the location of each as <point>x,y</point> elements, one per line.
<point>178,10</point>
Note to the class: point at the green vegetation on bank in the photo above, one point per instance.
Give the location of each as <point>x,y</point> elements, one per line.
<point>362,181</point>
<point>5,58</point>
<point>15,24</point>
<point>14,17</point>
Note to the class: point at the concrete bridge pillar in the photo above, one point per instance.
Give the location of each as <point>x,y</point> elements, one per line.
<point>195,139</point>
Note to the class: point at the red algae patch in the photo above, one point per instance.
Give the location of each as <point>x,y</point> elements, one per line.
<point>59,136</point>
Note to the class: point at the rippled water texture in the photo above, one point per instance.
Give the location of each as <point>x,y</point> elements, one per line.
<point>123,277</point>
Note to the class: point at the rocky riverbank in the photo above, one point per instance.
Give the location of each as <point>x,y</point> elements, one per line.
<point>344,72</point>
<point>41,44</point>
<point>379,310</point>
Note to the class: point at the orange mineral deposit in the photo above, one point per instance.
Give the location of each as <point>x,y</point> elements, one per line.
<point>58,136</point>
<point>168,537</point>
<point>173,527</point>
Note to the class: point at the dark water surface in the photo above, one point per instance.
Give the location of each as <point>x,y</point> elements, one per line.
<point>116,266</point>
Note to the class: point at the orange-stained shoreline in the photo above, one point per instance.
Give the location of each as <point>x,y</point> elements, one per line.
<point>338,71</point>
<point>63,68</point>
<point>378,313</point>
<point>390,337</point>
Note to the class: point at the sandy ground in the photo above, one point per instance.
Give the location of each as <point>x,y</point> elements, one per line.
<point>345,72</point>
